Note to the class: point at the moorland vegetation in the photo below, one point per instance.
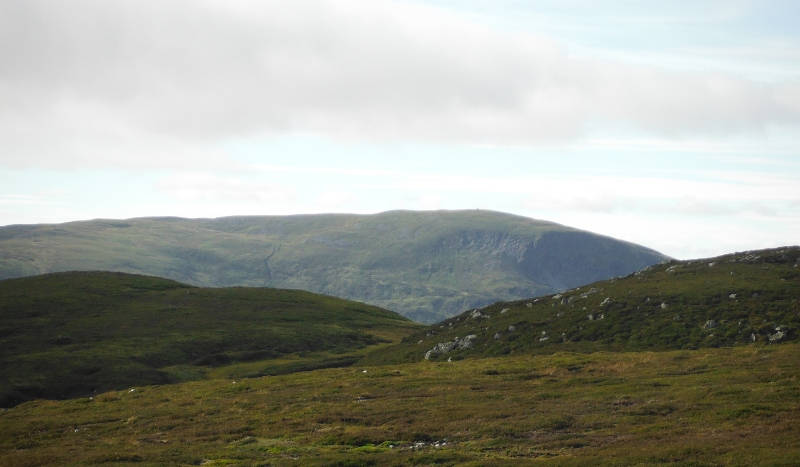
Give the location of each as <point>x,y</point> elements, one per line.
<point>76,334</point>
<point>684,363</point>
<point>731,300</point>
<point>709,407</point>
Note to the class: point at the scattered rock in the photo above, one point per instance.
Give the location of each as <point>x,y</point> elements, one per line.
<point>497,336</point>
<point>445,347</point>
<point>503,310</point>
<point>512,328</point>
<point>710,324</point>
<point>732,296</point>
<point>589,292</point>
<point>591,317</point>
<point>544,338</point>
<point>663,306</point>
<point>777,337</point>
<point>608,299</point>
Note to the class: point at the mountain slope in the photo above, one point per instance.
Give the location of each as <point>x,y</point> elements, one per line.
<point>424,265</point>
<point>731,300</point>
<point>70,334</point>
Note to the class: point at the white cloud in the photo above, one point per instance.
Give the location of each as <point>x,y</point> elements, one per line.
<point>335,198</point>
<point>23,200</point>
<point>203,186</point>
<point>155,83</point>
<point>430,201</point>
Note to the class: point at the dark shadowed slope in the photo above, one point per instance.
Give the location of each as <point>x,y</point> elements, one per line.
<point>424,265</point>
<point>737,299</point>
<point>77,333</point>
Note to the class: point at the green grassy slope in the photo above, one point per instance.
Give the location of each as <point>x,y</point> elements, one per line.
<point>710,407</point>
<point>71,334</point>
<point>424,265</point>
<point>731,300</point>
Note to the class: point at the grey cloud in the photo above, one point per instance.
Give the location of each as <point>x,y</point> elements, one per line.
<point>93,81</point>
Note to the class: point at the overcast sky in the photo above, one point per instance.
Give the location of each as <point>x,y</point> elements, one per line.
<point>675,125</point>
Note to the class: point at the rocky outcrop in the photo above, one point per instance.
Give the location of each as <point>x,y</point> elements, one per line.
<point>781,333</point>
<point>446,347</point>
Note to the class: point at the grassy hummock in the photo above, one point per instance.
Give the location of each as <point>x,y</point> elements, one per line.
<point>80,333</point>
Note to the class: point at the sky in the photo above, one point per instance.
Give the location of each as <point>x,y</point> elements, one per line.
<point>675,125</point>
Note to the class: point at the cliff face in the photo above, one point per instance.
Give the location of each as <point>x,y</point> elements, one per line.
<point>424,265</point>
<point>564,260</point>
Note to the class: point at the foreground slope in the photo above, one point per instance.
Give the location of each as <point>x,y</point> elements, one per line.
<point>710,407</point>
<point>424,265</point>
<point>736,299</point>
<point>71,334</point>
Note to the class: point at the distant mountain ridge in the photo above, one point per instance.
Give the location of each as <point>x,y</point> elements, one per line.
<point>425,265</point>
